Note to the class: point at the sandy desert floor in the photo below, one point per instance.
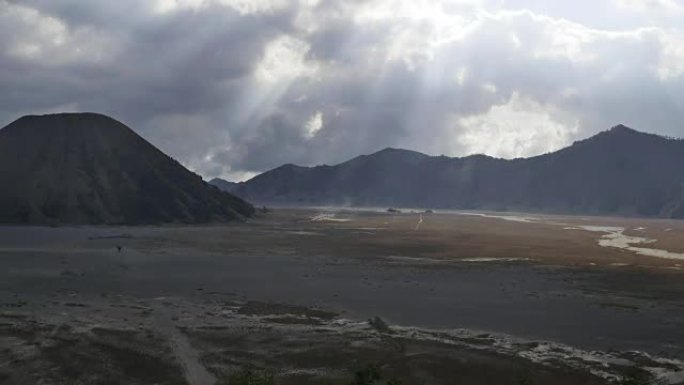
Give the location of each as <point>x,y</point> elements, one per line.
<point>472,298</point>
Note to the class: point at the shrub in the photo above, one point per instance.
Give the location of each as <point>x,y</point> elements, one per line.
<point>636,376</point>
<point>380,325</point>
<point>367,375</point>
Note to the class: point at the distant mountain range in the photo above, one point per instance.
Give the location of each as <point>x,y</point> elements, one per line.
<point>617,172</point>
<point>223,184</point>
<point>91,169</point>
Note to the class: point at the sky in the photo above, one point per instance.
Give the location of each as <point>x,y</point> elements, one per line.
<point>232,88</point>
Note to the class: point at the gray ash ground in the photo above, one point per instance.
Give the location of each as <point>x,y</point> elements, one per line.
<point>117,340</point>
<point>192,305</point>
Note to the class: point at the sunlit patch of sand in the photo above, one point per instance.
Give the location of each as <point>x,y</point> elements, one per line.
<point>456,260</point>
<point>512,218</point>
<point>398,258</point>
<point>614,236</point>
<point>484,259</point>
<point>328,217</point>
<point>304,233</point>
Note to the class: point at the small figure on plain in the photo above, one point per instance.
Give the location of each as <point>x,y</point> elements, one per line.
<point>118,248</point>
<point>420,220</point>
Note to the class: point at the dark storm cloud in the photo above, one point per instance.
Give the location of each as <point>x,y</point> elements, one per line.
<point>232,87</point>
<point>176,64</point>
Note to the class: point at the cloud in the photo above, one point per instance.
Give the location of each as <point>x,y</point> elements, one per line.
<point>283,60</point>
<point>517,128</point>
<point>650,5</point>
<point>313,125</point>
<point>235,87</point>
<point>33,37</point>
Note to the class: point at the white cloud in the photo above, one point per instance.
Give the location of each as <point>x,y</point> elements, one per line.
<point>650,5</point>
<point>166,6</point>
<point>519,128</point>
<point>671,63</point>
<point>243,6</point>
<point>284,59</point>
<point>313,125</point>
<point>48,40</point>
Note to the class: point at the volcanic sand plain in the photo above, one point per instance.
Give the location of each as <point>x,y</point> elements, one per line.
<point>460,297</point>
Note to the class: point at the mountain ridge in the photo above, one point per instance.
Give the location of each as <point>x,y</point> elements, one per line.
<point>620,171</point>
<point>223,184</point>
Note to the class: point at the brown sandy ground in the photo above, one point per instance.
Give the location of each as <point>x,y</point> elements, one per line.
<point>369,234</point>
<point>440,235</point>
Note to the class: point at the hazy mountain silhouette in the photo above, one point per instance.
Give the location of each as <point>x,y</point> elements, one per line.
<point>88,168</point>
<point>619,171</point>
<point>223,184</point>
